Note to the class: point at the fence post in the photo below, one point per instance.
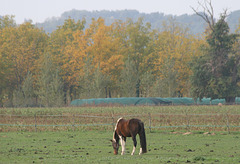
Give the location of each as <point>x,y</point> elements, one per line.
<point>149,116</point>
<point>187,121</point>
<point>188,127</point>
<point>73,122</point>
<point>113,122</point>
<point>227,123</point>
<point>35,118</point>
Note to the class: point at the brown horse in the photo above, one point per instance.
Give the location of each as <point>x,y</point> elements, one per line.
<point>129,128</point>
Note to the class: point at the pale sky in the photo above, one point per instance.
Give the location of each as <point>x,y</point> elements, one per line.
<point>40,10</point>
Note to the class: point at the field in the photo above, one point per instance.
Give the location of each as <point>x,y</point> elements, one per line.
<point>187,118</point>
<point>82,135</point>
<point>95,147</point>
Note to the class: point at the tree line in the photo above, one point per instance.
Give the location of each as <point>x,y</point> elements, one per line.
<point>124,59</point>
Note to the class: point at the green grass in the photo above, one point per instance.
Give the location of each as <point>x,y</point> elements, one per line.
<point>91,144</point>
<point>95,147</point>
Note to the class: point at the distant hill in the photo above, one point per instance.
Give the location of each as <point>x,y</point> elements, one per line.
<point>193,22</point>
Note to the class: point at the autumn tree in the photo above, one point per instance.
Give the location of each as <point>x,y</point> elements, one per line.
<point>138,41</point>
<point>104,53</point>
<point>175,48</point>
<point>60,48</point>
<point>126,58</point>
<point>6,23</point>
<point>21,48</point>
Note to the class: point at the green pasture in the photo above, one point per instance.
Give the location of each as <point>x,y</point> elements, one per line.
<point>53,142</point>
<point>94,147</point>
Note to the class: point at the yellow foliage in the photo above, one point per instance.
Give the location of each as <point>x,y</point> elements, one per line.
<point>166,54</point>
<point>22,47</point>
<point>175,52</point>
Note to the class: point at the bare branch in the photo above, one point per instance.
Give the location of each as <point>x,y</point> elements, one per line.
<point>208,13</point>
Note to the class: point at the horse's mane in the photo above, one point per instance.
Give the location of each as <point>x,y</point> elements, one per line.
<point>114,134</point>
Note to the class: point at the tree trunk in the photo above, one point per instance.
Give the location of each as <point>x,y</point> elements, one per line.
<point>230,100</point>
<point>106,93</point>
<point>109,93</point>
<point>137,88</point>
<point>68,96</point>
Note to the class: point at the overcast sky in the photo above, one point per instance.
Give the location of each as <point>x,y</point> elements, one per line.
<point>39,10</point>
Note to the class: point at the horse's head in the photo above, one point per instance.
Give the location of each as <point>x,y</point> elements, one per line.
<point>115,146</point>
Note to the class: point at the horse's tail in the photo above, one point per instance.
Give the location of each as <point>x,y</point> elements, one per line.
<point>143,138</point>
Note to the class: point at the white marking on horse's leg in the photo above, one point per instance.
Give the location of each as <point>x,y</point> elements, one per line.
<point>123,146</point>
<point>140,151</point>
<point>133,151</point>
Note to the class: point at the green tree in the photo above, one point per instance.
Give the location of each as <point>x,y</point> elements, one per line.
<point>139,49</point>
<point>18,98</point>
<point>24,95</point>
<point>50,85</point>
<point>128,79</point>
<point>147,83</point>
<point>100,84</point>
<point>29,91</point>
<point>215,74</point>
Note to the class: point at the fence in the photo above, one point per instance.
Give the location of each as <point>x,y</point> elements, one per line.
<point>150,101</point>
<point>163,121</point>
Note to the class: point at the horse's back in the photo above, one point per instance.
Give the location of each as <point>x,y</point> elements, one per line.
<point>127,128</point>
<point>135,125</point>
<point>134,122</point>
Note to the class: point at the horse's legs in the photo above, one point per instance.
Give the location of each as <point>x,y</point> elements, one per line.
<point>134,144</point>
<point>140,151</point>
<point>123,142</point>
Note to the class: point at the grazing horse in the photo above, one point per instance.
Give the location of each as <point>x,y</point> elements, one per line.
<point>129,128</point>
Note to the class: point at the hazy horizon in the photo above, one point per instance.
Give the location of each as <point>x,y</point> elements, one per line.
<point>38,11</point>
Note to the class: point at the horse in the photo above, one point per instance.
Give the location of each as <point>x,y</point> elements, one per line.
<point>129,128</point>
